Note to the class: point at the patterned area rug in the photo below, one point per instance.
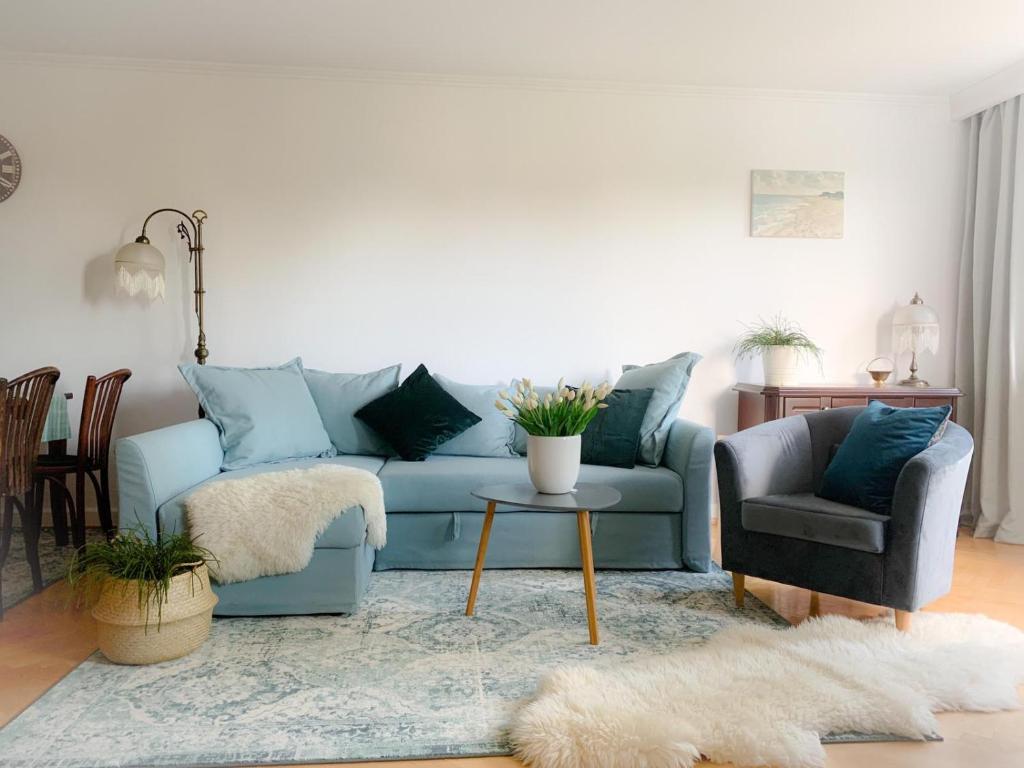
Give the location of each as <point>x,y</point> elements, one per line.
<point>17,579</point>
<point>408,676</point>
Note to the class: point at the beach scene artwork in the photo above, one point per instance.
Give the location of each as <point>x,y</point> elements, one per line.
<point>796,204</point>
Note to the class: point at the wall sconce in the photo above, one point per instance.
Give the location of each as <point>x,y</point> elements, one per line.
<point>139,267</point>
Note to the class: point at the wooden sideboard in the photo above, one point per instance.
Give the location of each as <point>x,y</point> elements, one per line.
<point>760,403</point>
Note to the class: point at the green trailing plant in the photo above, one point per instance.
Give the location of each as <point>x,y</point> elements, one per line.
<point>134,561</point>
<point>776,332</point>
<point>563,413</point>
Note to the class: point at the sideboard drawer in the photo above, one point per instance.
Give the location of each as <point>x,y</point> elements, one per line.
<point>897,402</point>
<point>842,402</point>
<point>932,402</point>
<point>794,405</point>
<point>759,403</point>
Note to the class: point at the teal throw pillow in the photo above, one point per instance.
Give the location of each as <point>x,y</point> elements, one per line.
<point>495,433</point>
<point>868,462</point>
<point>669,380</point>
<point>263,414</point>
<point>339,395</point>
<point>418,417</point>
<point>612,437</point>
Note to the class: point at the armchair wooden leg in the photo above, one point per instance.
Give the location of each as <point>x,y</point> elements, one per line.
<point>814,609</point>
<point>738,588</point>
<point>903,620</point>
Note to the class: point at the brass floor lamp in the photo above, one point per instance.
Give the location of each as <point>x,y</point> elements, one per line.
<point>140,267</point>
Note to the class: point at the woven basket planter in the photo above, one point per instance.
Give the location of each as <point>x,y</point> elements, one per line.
<point>175,629</point>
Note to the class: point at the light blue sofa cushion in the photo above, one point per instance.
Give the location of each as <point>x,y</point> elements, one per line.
<point>493,436</point>
<point>347,530</point>
<point>669,380</point>
<point>339,395</point>
<point>444,483</point>
<point>263,414</point>
<point>333,582</point>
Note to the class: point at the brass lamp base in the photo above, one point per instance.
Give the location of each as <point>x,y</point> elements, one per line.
<point>914,381</point>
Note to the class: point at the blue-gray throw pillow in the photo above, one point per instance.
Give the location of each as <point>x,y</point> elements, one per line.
<point>669,380</point>
<point>612,437</point>
<point>868,462</point>
<point>495,433</point>
<point>263,414</point>
<point>417,417</point>
<point>339,395</point>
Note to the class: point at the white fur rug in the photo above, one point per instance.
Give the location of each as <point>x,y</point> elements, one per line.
<point>267,524</point>
<point>760,696</point>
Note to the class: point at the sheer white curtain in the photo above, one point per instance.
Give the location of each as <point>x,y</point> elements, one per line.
<point>990,323</point>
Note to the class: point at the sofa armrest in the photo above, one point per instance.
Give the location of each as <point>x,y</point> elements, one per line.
<point>688,454</point>
<point>771,458</point>
<point>156,466</point>
<point>925,517</point>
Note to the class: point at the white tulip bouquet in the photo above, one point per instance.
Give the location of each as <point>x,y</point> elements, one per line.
<point>562,413</point>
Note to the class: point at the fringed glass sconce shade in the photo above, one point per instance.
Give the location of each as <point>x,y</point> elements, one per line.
<point>139,268</point>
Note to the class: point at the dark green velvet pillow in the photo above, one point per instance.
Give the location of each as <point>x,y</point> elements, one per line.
<point>613,436</point>
<point>868,462</point>
<point>418,417</point>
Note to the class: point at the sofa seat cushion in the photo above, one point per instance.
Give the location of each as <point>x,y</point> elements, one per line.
<point>811,518</point>
<point>444,483</point>
<point>347,530</point>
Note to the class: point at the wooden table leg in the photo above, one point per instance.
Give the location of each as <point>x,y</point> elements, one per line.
<point>481,553</point>
<point>587,559</point>
<point>58,506</point>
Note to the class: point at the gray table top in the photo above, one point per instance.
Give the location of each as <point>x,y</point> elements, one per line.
<point>588,496</point>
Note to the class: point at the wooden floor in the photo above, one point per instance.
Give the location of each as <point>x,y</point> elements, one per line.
<point>41,641</point>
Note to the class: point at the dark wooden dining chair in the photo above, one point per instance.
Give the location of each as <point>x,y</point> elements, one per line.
<point>99,407</point>
<point>26,401</point>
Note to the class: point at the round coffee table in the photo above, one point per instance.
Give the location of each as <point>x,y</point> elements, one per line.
<point>586,497</point>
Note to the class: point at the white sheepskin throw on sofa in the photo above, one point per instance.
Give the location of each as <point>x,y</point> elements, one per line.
<point>759,696</point>
<point>267,524</point>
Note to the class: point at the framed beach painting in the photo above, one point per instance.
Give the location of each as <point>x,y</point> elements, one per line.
<point>796,204</point>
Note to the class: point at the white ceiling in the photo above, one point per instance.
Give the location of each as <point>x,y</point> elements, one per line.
<point>927,47</point>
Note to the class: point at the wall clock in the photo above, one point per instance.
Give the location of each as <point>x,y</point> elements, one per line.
<point>10,169</point>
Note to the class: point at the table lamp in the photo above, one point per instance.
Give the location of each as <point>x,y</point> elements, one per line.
<point>139,267</point>
<point>915,328</point>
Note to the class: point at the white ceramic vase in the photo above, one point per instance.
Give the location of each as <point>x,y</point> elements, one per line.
<point>781,366</point>
<point>554,462</point>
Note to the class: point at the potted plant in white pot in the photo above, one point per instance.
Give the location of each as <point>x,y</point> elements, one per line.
<point>554,424</point>
<point>782,346</point>
<point>151,599</point>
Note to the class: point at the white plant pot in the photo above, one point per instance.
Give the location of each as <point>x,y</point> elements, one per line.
<point>781,366</point>
<point>554,462</point>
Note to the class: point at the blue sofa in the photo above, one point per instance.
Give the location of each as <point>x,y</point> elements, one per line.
<point>662,522</point>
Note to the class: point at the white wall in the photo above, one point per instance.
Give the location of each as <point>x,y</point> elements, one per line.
<point>488,232</point>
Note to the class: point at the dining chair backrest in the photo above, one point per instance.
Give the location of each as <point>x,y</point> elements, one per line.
<point>3,432</point>
<point>99,406</point>
<point>27,403</point>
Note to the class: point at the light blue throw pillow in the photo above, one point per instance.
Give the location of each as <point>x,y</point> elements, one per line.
<point>339,395</point>
<point>263,414</point>
<point>492,436</point>
<point>669,380</point>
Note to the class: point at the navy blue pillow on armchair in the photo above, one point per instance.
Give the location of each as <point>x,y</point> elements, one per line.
<point>881,440</point>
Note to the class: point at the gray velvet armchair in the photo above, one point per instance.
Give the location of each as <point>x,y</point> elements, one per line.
<point>774,527</point>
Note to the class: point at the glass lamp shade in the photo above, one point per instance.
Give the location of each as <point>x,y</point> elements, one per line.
<point>139,268</point>
<point>915,327</point>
